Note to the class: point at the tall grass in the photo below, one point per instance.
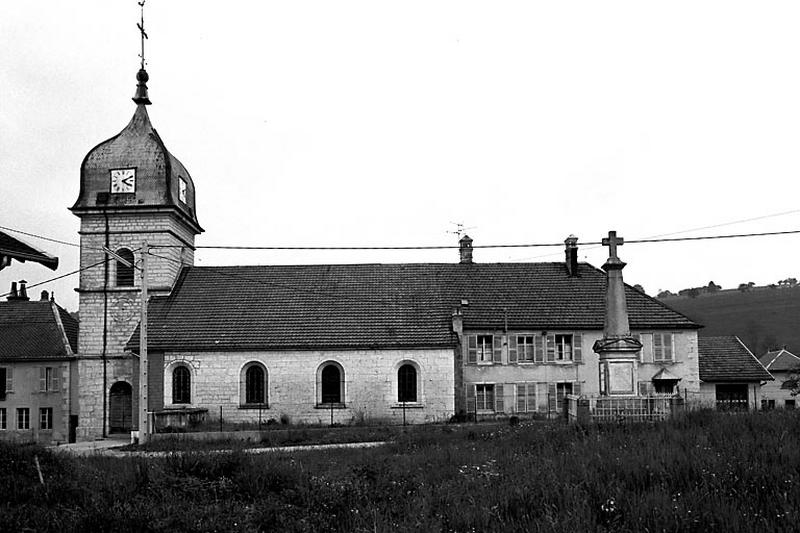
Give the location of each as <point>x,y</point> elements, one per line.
<point>703,472</point>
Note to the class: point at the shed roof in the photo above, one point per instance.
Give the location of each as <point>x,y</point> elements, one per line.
<point>727,359</point>
<point>780,361</point>
<point>14,248</point>
<point>381,305</point>
<point>36,330</point>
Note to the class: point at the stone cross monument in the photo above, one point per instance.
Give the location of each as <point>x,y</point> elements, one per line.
<point>618,350</point>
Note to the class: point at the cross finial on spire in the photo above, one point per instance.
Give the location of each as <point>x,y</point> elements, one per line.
<point>141,97</point>
<point>140,25</point>
<point>612,242</point>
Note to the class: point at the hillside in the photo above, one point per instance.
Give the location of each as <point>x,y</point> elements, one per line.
<point>762,317</point>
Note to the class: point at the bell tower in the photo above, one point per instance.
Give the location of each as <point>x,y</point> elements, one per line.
<point>132,190</point>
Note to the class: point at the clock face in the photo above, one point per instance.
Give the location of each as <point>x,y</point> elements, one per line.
<point>123,180</point>
<point>182,190</point>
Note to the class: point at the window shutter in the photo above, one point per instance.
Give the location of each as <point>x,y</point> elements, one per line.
<point>576,388</point>
<point>521,396</point>
<point>9,379</point>
<point>538,351</point>
<point>56,379</point>
<point>497,341</point>
<point>643,388</point>
<point>531,397</point>
<point>552,401</point>
<point>42,379</point>
<point>499,406</point>
<point>551,348</point>
<point>577,348</point>
<point>472,349</point>
<point>668,347</point>
<point>512,348</point>
<point>470,388</point>
<point>658,347</point>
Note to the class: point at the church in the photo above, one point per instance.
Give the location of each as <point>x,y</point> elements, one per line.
<point>340,343</point>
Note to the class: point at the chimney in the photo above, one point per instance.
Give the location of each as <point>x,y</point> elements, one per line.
<point>18,295</point>
<point>44,296</point>
<point>571,253</point>
<point>465,250</point>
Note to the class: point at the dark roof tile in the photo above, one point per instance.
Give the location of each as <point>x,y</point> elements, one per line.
<point>30,330</point>
<point>727,359</point>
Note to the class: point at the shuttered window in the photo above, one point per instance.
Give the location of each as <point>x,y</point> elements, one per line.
<point>526,349</point>
<point>564,348</point>
<point>485,397</point>
<point>49,379</point>
<point>125,272</point>
<point>662,347</point>
<point>484,349</point>
<point>526,397</point>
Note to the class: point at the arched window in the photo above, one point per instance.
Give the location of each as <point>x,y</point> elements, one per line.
<point>254,384</point>
<point>125,272</point>
<point>331,383</point>
<point>181,385</point>
<point>407,383</point>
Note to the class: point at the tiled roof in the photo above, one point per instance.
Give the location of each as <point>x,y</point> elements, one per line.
<point>381,305</point>
<point>21,251</point>
<point>31,330</point>
<point>727,359</point>
<point>780,361</point>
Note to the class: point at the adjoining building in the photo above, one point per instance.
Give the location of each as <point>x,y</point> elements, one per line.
<point>731,376</point>
<point>38,342</point>
<point>785,368</point>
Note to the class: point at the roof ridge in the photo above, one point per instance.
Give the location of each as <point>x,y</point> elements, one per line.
<point>754,357</point>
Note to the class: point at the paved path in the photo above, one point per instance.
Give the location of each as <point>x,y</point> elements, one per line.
<point>108,447</point>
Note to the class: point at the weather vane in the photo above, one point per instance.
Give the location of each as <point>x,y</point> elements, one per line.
<point>140,25</point>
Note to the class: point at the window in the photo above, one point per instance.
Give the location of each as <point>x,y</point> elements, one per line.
<point>46,418</point>
<point>662,347</point>
<point>331,384</point>
<point>3,419</point>
<point>526,397</point>
<point>485,346</point>
<point>48,379</point>
<point>665,386</point>
<point>788,404</point>
<point>484,349</point>
<point>23,418</point>
<point>255,384</point>
<point>3,386</point>
<point>525,349</point>
<point>563,347</point>
<point>181,385</point>
<point>484,397</point>
<point>125,272</point>
<point>407,383</point>
<point>767,404</point>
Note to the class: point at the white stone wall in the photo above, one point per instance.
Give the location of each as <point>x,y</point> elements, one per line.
<point>772,390</point>
<point>370,384</point>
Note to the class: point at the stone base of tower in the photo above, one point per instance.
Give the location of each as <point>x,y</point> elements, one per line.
<point>108,402</point>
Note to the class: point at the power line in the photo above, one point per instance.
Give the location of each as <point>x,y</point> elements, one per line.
<point>59,277</point>
<point>40,237</point>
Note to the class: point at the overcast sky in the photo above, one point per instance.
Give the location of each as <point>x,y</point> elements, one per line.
<point>377,123</point>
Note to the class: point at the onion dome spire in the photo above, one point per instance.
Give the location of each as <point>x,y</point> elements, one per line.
<point>141,97</point>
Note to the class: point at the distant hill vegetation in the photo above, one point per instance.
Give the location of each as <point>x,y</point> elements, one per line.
<point>763,317</point>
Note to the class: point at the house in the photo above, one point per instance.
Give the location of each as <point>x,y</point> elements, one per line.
<point>38,342</point>
<point>336,343</point>
<point>731,376</point>
<point>784,367</point>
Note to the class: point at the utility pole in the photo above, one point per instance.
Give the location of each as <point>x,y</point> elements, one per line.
<point>144,420</point>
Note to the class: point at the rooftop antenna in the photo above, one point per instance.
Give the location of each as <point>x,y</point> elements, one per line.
<point>460,229</point>
<point>140,25</point>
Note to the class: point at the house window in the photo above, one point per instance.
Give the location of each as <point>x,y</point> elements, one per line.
<point>407,383</point>
<point>484,397</point>
<point>526,397</point>
<point>3,419</point>
<point>767,405</point>
<point>485,347</point>
<point>46,418</point>
<point>23,418</point>
<point>255,384</point>
<point>181,385</point>
<point>788,404</point>
<point>662,347</point>
<point>125,272</point>
<point>562,389</point>
<point>49,380</point>
<point>665,386</point>
<point>563,347</point>
<point>331,384</point>
<point>525,349</point>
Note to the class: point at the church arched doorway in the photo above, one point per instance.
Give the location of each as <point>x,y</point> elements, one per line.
<point>120,407</point>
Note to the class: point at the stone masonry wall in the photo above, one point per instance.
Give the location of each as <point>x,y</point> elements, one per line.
<point>370,384</point>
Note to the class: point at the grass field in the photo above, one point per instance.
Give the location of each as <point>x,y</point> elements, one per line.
<point>762,318</point>
<point>703,472</point>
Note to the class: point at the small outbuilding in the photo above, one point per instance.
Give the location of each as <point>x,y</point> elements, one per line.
<point>731,377</point>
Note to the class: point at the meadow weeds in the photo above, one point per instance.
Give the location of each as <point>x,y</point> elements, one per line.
<point>702,472</point>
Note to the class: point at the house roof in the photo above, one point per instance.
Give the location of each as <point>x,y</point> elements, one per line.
<point>381,305</point>
<point>780,361</point>
<point>14,248</point>
<point>727,359</point>
<point>36,330</point>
